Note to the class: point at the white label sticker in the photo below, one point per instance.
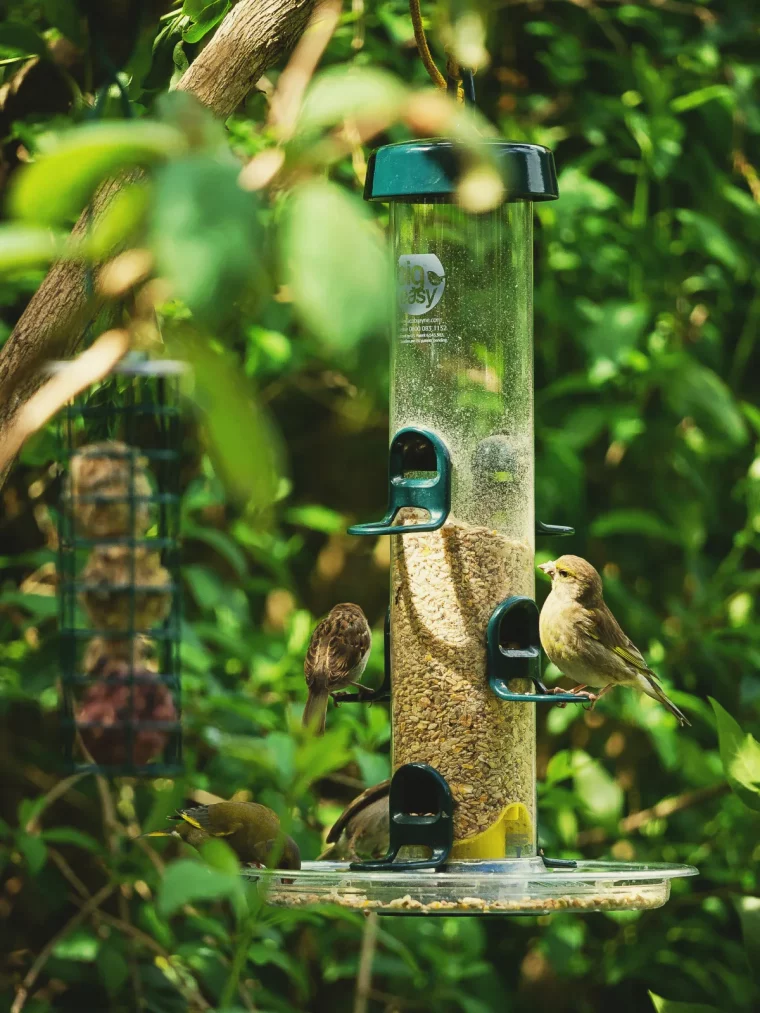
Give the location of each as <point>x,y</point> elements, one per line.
<point>420,284</point>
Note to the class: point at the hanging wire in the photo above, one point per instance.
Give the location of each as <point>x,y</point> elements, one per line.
<point>422,45</point>
<point>458,82</point>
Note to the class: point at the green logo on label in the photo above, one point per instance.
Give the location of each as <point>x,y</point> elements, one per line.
<point>421,282</point>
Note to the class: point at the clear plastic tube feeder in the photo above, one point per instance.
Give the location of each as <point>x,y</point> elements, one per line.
<point>463,651</point>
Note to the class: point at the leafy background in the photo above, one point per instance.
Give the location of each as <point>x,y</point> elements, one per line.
<point>646,313</point>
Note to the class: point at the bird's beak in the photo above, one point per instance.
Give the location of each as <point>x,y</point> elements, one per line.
<point>548,568</point>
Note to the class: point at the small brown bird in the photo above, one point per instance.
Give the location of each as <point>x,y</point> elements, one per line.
<point>109,706</point>
<point>362,829</point>
<point>251,830</point>
<point>336,658</point>
<point>583,639</point>
<point>102,479</point>
<point>112,570</point>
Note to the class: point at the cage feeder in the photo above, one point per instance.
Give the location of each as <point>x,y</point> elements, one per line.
<point>462,646</point>
<point>119,607</point>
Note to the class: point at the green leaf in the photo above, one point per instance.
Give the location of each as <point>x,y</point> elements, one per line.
<point>696,98</point>
<point>23,248</point>
<point>65,16</point>
<point>206,20</point>
<point>120,219</point>
<point>205,233</point>
<point>187,881</point>
<point>707,236</point>
<point>740,755</point>
<point>318,756</point>
<point>669,1006</point>
<point>749,915</point>
<point>693,390</point>
<point>221,542</point>
<point>228,402</point>
<point>220,855</point>
<point>80,945</point>
<point>57,186</point>
<point>316,518</point>
<point>69,835</point>
<point>634,522</point>
<point>338,93</point>
<point>112,967</point>
<point>20,40</point>
<point>33,849</point>
<point>596,788</point>
<point>335,263</point>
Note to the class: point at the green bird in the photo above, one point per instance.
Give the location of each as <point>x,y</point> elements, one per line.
<point>251,830</point>
<point>583,639</point>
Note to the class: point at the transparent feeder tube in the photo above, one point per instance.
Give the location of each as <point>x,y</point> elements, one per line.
<point>462,367</point>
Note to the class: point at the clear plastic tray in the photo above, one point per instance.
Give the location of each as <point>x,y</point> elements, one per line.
<point>480,888</point>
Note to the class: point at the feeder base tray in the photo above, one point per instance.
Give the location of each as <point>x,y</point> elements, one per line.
<point>523,887</point>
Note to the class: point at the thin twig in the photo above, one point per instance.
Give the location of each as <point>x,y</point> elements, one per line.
<point>664,808</point>
<point>68,873</point>
<point>44,955</point>
<point>366,960</point>
<point>59,789</point>
<point>89,367</point>
<point>287,99</point>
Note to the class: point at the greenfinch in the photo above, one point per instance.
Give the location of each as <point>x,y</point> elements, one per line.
<point>251,830</point>
<point>336,658</point>
<point>362,829</point>
<point>583,639</point>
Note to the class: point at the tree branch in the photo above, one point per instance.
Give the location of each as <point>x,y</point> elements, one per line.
<point>664,808</point>
<point>252,37</point>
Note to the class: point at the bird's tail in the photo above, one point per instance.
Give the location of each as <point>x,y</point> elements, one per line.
<point>315,711</point>
<point>652,688</point>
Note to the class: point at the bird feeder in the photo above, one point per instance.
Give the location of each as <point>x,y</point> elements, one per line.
<point>463,650</point>
<point>119,573</point>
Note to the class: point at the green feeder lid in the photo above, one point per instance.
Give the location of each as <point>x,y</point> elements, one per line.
<point>427,171</point>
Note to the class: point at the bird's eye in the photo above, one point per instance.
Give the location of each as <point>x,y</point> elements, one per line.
<point>562,573</point>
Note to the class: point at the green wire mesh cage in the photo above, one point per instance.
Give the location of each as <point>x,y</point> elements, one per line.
<point>119,581</point>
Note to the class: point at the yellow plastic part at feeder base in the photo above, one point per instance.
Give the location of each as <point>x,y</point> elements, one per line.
<point>506,838</point>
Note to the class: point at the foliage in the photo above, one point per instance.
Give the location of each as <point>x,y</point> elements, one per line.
<point>647,305</point>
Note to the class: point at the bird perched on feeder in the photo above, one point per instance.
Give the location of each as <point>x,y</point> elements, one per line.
<point>362,829</point>
<point>117,573</point>
<point>251,830</point>
<point>583,639</point>
<point>336,658</point>
<point>108,486</point>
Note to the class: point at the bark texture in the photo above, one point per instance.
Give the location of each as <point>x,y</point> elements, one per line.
<point>253,36</point>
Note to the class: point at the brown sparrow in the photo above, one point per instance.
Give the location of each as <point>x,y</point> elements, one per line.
<point>111,572</point>
<point>337,656</point>
<point>362,829</point>
<point>102,477</point>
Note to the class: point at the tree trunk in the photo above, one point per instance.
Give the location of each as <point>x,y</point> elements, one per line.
<point>252,37</point>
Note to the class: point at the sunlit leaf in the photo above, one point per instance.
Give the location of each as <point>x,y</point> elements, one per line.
<point>228,403</point>
<point>740,755</point>
<point>671,1006</point>
<point>355,92</point>
<point>205,233</point>
<point>122,218</point>
<point>80,944</point>
<point>187,881</point>
<point>694,390</point>
<point>335,264</point>
<point>206,20</point>
<point>57,186</point>
<point>25,247</point>
<point>596,788</point>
